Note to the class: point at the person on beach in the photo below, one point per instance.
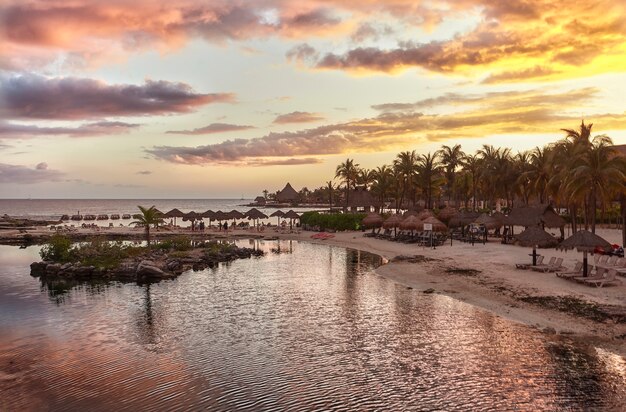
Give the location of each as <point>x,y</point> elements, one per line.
<point>225,226</point>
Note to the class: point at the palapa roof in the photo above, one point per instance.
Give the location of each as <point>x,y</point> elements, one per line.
<point>534,216</point>
<point>488,221</point>
<point>255,214</point>
<point>288,194</point>
<point>278,213</point>
<point>426,213</point>
<point>534,235</point>
<point>392,221</point>
<point>438,225</point>
<point>361,197</point>
<point>463,218</point>
<point>584,241</point>
<point>235,214</point>
<point>372,220</point>
<point>192,216</point>
<point>411,223</point>
<point>209,214</point>
<point>291,215</point>
<point>174,213</point>
<point>447,213</point>
<point>219,215</point>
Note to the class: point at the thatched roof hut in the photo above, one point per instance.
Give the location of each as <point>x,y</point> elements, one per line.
<point>536,236</point>
<point>425,214</point>
<point>260,200</point>
<point>446,214</point>
<point>174,213</point>
<point>255,214</point>
<point>528,216</point>
<point>361,197</point>
<point>209,214</point>
<point>291,215</point>
<point>288,194</point>
<point>278,213</point>
<point>235,214</point>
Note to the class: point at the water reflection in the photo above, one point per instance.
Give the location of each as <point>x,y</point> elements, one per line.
<point>310,327</point>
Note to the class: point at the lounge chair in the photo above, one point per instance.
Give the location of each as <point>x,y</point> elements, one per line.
<point>577,271</point>
<point>599,275</point>
<point>553,266</point>
<point>608,279</point>
<point>527,265</point>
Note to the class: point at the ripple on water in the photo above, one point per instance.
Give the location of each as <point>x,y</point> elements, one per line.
<point>309,328</point>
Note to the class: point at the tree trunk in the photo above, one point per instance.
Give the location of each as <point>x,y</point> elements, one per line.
<point>623,209</point>
<point>148,234</point>
<point>593,209</point>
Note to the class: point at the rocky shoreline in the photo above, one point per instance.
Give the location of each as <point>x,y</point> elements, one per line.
<point>153,266</point>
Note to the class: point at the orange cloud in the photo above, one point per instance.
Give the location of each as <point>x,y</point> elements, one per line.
<point>297,117</point>
<point>401,124</point>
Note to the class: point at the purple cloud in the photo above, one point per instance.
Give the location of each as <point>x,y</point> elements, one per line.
<point>12,130</point>
<point>31,96</point>
<point>212,128</point>
<point>25,175</point>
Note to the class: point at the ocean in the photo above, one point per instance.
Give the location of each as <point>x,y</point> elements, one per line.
<point>53,209</point>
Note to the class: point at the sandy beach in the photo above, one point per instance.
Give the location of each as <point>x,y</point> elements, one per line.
<point>496,286</point>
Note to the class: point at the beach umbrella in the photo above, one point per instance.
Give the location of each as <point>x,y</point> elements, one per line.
<point>291,215</point>
<point>487,221</point>
<point>446,214</point>
<point>392,221</point>
<point>254,214</point>
<point>174,213</point>
<point>411,223</point>
<point>372,220</point>
<point>278,214</point>
<point>410,213</point>
<point>584,241</point>
<point>235,214</point>
<point>463,219</point>
<point>535,236</point>
<point>437,225</point>
<point>426,213</point>
<point>191,216</point>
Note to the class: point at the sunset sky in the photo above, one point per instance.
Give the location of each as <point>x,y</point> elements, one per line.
<point>219,99</point>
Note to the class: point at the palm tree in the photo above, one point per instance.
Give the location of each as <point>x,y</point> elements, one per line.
<point>150,216</point>
<point>265,192</point>
<point>428,168</point>
<point>348,172</point>
<point>330,187</point>
<point>383,182</point>
<point>582,136</point>
<point>471,164</point>
<point>597,175</point>
<point>406,166</point>
<point>451,159</point>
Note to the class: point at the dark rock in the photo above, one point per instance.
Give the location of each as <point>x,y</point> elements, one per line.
<point>549,330</point>
<point>429,291</point>
<point>38,269</point>
<point>53,269</point>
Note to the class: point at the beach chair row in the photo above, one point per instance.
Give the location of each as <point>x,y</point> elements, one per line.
<point>596,275</point>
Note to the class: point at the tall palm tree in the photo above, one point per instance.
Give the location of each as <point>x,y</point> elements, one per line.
<point>581,136</point>
<point>149,216</point>
<point>383,182</point>
<point>405,164</point>
<point>597,174</point>
<point>429,176</point>
<point>330,188</point>
<point>471,164</point>
<point>348,172</point>
<point>451,158</point>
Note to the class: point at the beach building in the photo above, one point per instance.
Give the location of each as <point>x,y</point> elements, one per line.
<point>360,199</point>
<point>287,195</point>
<point>260,200</point>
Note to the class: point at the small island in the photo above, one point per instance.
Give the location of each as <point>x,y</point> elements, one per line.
<point>101,259</point>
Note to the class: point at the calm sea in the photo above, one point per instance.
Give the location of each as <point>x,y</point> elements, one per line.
<point>55,208</point>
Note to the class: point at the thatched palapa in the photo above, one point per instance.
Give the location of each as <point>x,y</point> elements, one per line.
<point>584,241</point>
<point>463,218</point>
<point>287,195</point>
<point>438,225</point>
<point>372,220</point>
<point>360,197</point>
<point>536,236</point>
<point>534,216</point>
<point>291,215</point>
<point>488,221</point>
<point>392,221</point>
<point>411,223</point>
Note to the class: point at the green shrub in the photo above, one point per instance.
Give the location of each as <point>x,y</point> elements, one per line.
<point>336,221</point>
<point>180,243</point>
<point>58,249</point>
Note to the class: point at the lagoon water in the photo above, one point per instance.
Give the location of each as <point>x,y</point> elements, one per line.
<point>306,327</point>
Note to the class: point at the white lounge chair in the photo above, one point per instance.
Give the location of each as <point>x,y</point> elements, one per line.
<point>608,279</point>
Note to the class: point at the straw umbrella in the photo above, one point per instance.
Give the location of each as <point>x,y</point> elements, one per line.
<point>219,216</point>
<point>255,214</point>
<point>291,215</point>
<point>411,223</point>
<point>410,213</point>
<point>584,241</point>
<point>437,225</point>
<point>446,214</point>
<point>535,236</point>
<point>235,214</point>
<point>426,213</point>
<point>372,220</point>
<point>174,213</point>
<point>392,221</point>
<point>278,214</point>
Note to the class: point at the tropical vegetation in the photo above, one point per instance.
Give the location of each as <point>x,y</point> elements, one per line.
<point>581,175</point>
<point>148,217</point>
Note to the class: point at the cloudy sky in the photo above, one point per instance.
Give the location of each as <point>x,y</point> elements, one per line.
<point>224,98</point>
